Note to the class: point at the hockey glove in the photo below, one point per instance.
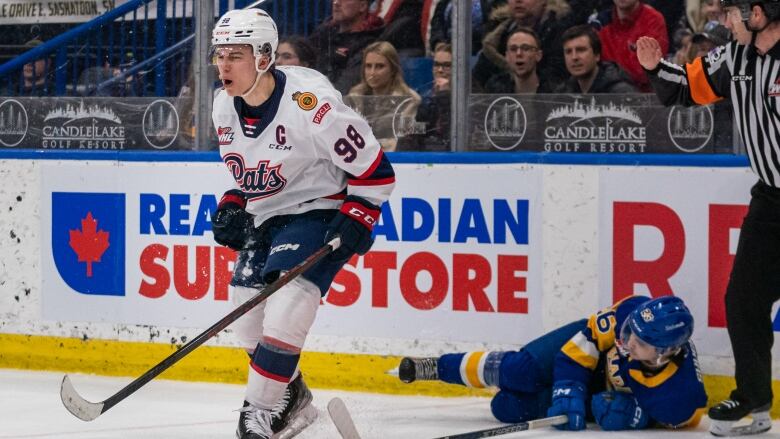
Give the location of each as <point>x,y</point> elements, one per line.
<point>618,411</point>
<point>568,398</point>
<point>232,225</point>
<point>353,223</point>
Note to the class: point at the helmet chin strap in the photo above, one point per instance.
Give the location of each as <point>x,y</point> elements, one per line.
<point>260,73</point>
<point>253,87</point>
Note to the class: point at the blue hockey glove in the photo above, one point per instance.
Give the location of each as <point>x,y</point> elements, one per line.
<point>568,398</point>
<point>618,411</point>
<point>231,224</point>
<point>353,223</point>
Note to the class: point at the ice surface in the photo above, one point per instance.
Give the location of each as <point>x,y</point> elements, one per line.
<point>30,407</point>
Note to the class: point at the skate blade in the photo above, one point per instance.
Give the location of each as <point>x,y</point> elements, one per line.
<point>303,419</point>
<point>761,423</point>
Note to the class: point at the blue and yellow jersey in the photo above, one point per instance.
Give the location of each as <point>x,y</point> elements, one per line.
<point>673,396</point>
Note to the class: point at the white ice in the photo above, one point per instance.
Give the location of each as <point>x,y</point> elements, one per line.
<point>30,407</point>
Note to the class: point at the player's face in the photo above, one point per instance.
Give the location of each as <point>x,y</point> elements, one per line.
<point>639,350</point>
<point>286,56</point>
<point>236,65</point>
<point>522,54</point>
<point>579,57</point>
<point>377,71</point>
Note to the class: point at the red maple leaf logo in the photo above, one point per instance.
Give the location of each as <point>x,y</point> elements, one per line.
<point>89,243</point>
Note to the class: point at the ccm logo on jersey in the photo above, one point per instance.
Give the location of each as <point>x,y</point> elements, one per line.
<point>283,247</point>
<point>321,113</point>
<point>225,135</point>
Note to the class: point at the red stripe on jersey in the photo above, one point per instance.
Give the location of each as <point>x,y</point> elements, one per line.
<point>379,182</point>
<point>373,166</point>
<point>269,375</point>
<point>335,197</point>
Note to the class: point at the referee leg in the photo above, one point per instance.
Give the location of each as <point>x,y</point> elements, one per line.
<point>753,287</point>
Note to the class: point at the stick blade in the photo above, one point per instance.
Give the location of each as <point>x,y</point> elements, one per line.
<point>78,406</point>
<point>342,419</point>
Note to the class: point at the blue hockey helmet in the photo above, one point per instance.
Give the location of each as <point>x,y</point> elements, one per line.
<point>664,323</point>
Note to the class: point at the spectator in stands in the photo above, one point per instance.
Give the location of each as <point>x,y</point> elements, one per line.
<point>711,36</point>
<point>402,26</point>
<point>296,51</point>
<point>35,74</point>
<point>382,76</point>
<point>340,41</point>
<point>621,26</point>
<point>523,54</point>
<point>681,44</point>
<point>441,25</point>
<point>548,18</point>
<point>433,114</point>
<point>582,51</point>
<point>701,12</point>
<point>110,79</point>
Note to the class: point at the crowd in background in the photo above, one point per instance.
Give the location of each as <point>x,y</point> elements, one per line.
<point>518,46</point>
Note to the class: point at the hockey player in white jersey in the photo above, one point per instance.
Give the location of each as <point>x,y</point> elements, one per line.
<point>307,168</point>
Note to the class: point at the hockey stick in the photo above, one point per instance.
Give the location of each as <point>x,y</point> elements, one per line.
<point>342,419</point>
<point>530,425</point>
<point>87,411</point>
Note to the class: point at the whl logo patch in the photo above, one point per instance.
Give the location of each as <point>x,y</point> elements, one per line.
<point>88,241</point>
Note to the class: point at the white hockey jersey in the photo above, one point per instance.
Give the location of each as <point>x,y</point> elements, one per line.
<point>307,150</point>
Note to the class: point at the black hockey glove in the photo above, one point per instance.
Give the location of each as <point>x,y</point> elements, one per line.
<point>353,223</point>
<point>232,225</point>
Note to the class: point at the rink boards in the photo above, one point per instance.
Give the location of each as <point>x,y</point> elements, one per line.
<point>467,256</point>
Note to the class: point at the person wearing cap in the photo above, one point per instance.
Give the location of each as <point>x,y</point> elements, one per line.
<point>35,73</point>
<point>712,35</point>
<point>631,364</point>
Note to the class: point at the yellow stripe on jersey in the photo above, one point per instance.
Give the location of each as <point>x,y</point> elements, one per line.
<point>701,91</point>
<point>655,380</point>
<point>470,369</point>
<point>582,351</point>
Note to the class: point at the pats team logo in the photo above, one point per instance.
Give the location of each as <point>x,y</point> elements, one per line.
<point>258,182</point>
<point>225,135</point>
<point>647,315</point>
<point>307,101</point>
<point>88,241</point>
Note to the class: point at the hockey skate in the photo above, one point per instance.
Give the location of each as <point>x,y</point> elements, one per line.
<point>413,369</point>
<point>294,412</point>
<point>726,413</point>
<point>254,423</point>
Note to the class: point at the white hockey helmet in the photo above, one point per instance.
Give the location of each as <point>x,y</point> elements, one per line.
<point>253,27</point>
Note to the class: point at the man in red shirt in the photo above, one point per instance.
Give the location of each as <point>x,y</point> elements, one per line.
<point>622,26</point>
